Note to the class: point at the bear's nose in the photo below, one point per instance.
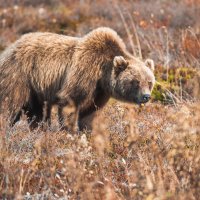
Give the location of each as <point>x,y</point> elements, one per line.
<point>146,98</point>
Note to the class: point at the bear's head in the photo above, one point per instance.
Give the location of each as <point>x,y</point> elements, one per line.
<point>132,80</point>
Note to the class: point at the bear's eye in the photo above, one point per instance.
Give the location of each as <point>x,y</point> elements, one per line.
<point>150,84</point>
<point>135,83</point>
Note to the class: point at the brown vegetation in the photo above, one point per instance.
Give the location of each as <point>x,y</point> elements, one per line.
<point>133,152</point>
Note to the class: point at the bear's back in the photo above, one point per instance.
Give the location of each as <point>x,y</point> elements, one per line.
<point>45,45</point>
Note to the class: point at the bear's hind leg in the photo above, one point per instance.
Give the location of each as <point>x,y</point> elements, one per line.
<point>34,110</point>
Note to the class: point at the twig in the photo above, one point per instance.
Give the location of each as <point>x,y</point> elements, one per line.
<point>136,35</point>
<point>126,28</point>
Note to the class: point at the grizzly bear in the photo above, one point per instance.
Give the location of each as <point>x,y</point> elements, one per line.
<point>45,69</point>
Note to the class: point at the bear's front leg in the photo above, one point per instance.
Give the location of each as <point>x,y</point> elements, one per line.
<point>68,118</point>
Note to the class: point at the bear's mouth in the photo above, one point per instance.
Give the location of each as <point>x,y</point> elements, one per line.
<point>134,100</point>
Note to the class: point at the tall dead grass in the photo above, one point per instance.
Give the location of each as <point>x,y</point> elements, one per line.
<point>134,153</point>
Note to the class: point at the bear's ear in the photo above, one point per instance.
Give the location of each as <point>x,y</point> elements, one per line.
<point>150,63</point>
<point>119,63</point>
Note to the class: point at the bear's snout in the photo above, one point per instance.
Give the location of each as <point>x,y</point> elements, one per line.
<point>146,98</point>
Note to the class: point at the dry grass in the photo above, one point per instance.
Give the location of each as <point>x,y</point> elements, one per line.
<point>133,152</point>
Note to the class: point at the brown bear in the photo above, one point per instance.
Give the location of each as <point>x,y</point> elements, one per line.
<point>49,69</point>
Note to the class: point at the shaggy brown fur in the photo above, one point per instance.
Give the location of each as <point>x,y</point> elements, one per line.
<point>62,70</point>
